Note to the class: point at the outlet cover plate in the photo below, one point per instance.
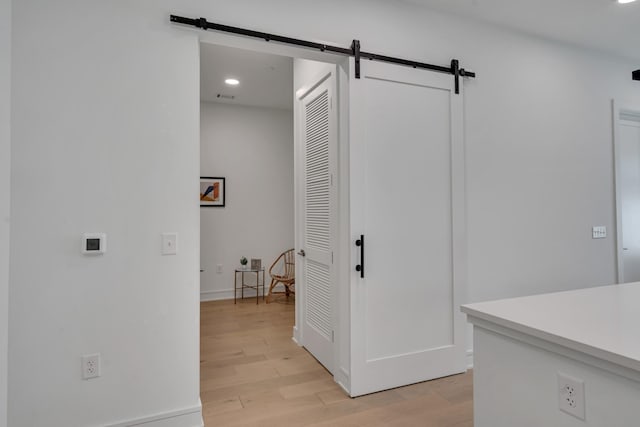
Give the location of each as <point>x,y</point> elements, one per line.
<point>571,395</point>
<point>90,366</point>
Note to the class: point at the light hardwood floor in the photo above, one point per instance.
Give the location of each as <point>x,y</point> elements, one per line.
<point>252,374</point>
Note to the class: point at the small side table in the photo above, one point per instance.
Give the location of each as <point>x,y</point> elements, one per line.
<point>243,285</point>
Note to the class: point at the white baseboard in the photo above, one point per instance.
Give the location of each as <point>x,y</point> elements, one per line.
<point>216,295</point>
<point>189,417</point>
<point>296,336</point>
<point>343,380</point>
<point>225,294</point>
<point>469,359</point>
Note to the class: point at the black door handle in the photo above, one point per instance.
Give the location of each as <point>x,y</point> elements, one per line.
<point>360,267</point>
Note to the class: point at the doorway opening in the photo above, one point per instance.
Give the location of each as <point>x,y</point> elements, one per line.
<point>246,121</point>
<point>275,194</point>
<point>627,167</point>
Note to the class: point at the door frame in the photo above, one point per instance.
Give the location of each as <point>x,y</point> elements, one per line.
<point>618,108</point>
<point>342,254</point>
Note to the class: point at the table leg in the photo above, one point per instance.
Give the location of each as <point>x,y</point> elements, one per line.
<point>262,285</point>
<point>235,286</point>
<point>242,291</point>
<point>257,287</point>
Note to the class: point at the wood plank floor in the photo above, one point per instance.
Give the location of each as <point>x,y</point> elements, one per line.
<point>252,374</point>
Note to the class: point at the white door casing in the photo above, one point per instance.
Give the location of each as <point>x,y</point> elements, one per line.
<point>317,215</point>
<point>408,199</point>
<point>628,194</point>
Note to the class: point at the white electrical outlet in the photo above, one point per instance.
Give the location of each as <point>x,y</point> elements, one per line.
<point>219,268</point>
<point>571,395</point>
<point>90,366</point>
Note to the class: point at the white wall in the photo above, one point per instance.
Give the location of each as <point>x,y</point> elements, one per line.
<point>253,149</point>
<point>5,153</point>
<point>105,131</point>
<point>105,138</point>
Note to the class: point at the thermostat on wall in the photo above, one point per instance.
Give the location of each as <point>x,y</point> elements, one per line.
<point>94,243</point>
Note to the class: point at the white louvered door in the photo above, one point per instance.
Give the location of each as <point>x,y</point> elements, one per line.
<point>316,284</point>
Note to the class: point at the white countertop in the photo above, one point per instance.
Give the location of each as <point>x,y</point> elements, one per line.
<point>602,322</point>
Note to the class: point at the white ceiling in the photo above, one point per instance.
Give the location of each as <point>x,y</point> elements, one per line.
<point>598,24</point>
<point>265,80</point>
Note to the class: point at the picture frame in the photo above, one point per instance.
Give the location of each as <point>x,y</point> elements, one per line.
<point>212,191</point>
<point>256,263</point>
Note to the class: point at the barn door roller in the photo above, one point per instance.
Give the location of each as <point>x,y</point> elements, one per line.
<point>453,69</point>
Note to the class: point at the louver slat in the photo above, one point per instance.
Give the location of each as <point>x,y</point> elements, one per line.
<point>317,221</point>
<point>318,298</point>
<point>317,176</point>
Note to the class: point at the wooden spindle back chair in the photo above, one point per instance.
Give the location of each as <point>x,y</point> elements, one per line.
<point>283,270</point>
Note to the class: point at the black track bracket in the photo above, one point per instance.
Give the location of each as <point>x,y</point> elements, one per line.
<point>455,70</point>
<point>355,48</point>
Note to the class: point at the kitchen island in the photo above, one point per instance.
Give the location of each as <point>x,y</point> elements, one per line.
<point>555,360</point>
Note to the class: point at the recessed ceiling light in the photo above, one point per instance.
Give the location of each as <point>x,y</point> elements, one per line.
<point>232,82</point>
<point>625,1</point>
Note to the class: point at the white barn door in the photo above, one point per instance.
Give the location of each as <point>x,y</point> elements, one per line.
<point>318,212</point>
<point>407,199</point>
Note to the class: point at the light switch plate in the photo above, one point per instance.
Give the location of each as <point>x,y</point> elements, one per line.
<point>599,232</point>
<point>169,243</point>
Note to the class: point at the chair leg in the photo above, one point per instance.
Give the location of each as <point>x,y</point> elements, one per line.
<point>271,286</point>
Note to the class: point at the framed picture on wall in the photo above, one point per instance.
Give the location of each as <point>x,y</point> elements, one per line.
<point>212,191</point>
